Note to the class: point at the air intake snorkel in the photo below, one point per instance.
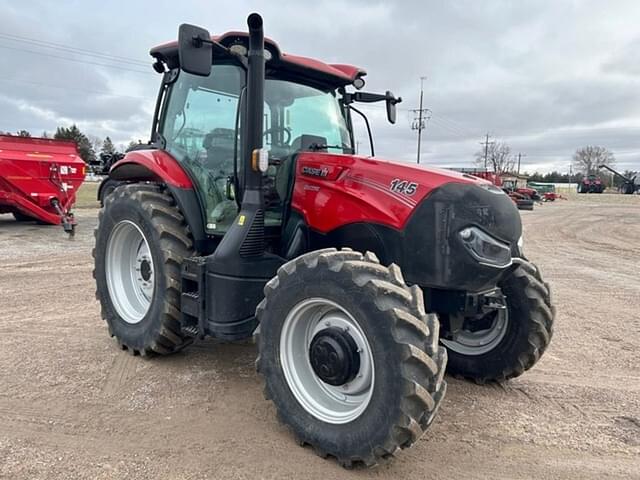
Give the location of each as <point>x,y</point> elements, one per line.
<point>239,268</point>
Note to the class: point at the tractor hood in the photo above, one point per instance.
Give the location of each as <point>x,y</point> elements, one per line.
<point>384,191</point>
<point>444,228</point>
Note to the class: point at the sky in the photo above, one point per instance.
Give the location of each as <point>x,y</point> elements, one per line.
<point>546,77</point>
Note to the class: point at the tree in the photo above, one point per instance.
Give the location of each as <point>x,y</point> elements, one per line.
<point>23,133</point>
<point>108,147</point>
<point>133,144</point>
<point>498,157</point>
<point>587,159</point>
<point>87,153</point>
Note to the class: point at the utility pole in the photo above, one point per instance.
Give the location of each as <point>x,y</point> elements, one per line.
<point>520,155</point>
<point>423,114</point>
<point>486,144</point>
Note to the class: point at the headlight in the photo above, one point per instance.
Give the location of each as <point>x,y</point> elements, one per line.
<point>484,248</point>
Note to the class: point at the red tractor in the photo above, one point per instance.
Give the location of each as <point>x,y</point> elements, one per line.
<point>248,213</point>
<point>591,184</point>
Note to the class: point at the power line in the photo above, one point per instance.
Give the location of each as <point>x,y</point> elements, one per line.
<point>67,48</point>
<point>87,62</point>
<point>72,89</point>
<point>458,126</point>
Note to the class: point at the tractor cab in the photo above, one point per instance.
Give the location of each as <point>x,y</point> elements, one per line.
<point>200,121</point>
<point>200,126</point>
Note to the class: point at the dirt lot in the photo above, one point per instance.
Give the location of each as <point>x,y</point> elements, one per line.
<point>72,405</point>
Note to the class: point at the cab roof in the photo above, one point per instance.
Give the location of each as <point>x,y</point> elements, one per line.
<point>332,75</point>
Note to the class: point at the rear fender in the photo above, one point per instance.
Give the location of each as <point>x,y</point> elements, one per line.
<point>159,167</point>
<point>151,166</point>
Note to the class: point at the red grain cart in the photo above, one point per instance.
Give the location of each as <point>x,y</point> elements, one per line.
<point>39,178</point>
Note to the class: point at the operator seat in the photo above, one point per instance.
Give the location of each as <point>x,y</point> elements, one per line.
<point>219,147</point>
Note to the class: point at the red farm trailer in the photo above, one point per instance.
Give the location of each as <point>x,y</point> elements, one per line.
<point>39,178</point>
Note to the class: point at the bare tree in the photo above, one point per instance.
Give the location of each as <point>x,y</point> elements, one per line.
<point>499,158</point>
<point>587,159</point>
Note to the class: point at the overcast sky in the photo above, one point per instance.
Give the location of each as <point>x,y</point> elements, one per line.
<point>544,76</point>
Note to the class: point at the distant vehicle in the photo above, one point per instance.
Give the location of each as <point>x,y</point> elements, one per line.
<point>629,186</point>
<point>546,191</point>
<point>102,167</point>
<point>591,184</point>
<point>512,186</point>
<point>523,200</point>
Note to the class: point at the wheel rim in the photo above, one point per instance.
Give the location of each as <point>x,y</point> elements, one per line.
<point>467,342</point>
<point>129,271</point>
<point>336,404</point>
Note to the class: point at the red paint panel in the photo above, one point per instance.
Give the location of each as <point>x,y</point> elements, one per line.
<point>362,191</point>
<point>162,165</point>
<point>344,74</point>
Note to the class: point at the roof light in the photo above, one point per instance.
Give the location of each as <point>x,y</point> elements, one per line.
<point>358,83</point>
<point>238,49</point>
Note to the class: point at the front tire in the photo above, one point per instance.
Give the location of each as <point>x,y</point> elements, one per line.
<point>141,241</point>
<point>515,340</point>
<point>349,356</point>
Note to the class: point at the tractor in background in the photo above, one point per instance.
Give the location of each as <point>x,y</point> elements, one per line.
<point>591,184</point>
<point>248,214</point>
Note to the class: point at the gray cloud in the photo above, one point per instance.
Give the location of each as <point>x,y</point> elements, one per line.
<point>545,76</point>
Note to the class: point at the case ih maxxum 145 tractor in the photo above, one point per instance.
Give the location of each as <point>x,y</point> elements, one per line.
<point>248,213</point>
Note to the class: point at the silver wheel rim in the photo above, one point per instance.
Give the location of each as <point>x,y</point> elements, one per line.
<point>331,404</point>
<point>467,342</point>
<point>129,271</point>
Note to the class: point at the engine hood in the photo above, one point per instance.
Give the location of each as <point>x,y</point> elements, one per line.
<point>331,189</point>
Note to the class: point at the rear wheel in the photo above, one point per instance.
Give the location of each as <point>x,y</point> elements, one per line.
<point>21,217</point>
<point>506,342</point>
<point>349,356</point>
<point>141,240</point>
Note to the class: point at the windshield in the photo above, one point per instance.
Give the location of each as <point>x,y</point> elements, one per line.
<point>202,129</point>
<point>298,116</point>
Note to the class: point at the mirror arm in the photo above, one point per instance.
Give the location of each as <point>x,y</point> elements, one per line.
<point>366,121</point>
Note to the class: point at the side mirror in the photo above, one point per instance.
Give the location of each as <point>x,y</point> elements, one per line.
<point>195,50</point>
<point>391,106</point>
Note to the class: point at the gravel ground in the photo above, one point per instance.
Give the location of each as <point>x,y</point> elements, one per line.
<point>72,405</point>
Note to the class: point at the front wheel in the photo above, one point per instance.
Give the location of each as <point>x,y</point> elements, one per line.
<point>507,341</point>
<point>349,356</point>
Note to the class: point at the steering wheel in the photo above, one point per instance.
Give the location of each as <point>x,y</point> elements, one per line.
<point>286,130</point>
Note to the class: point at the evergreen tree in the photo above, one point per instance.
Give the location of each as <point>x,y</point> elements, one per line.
<point>108,147</point>
<point>85,148</point>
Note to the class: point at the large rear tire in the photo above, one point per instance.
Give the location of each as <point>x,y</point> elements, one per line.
<point>349,356</point>
<point>21,217</point>
<point>515,339</point>
<point>141,241</point>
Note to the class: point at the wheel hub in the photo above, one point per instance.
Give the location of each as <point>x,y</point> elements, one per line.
<point>334,356</point>
<point>129,271</point>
